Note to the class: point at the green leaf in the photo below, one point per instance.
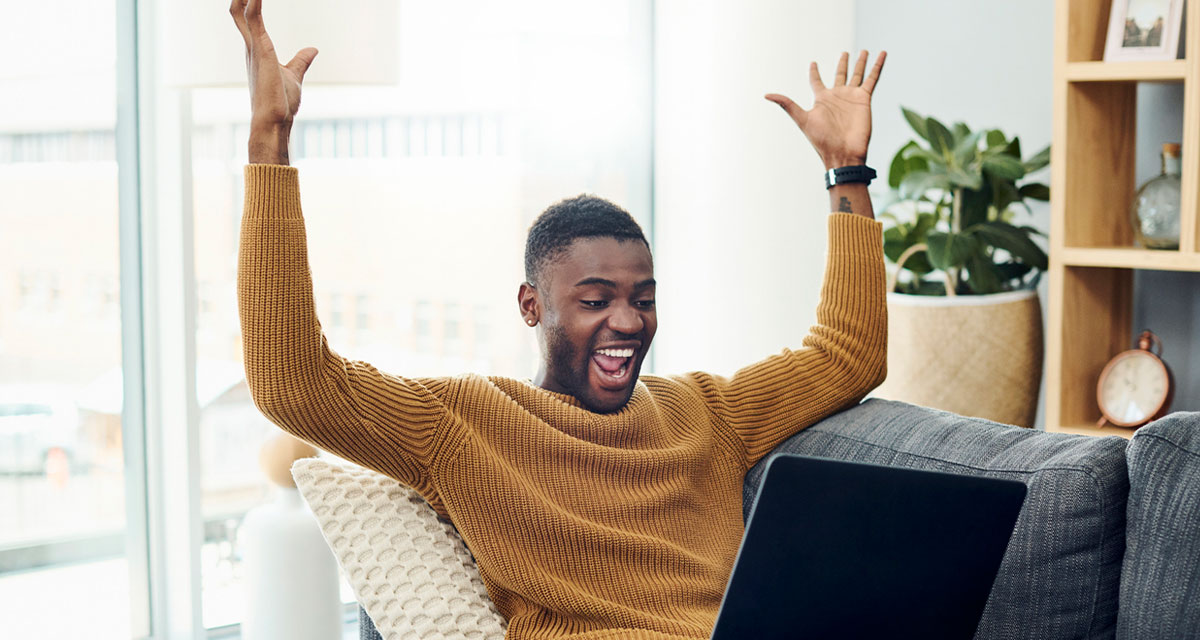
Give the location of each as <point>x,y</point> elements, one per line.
<point>1035,191</point>
<point>961,130</point>
<point>974,206</point>
<point>916,122</point>
<point>1013,271</point>
<point>1004,167</point>
<point>925,223</point>
<point>965,178</point>
<point>916,183</point>
<point>1004,193</point>
<point>1038,161</point>
<point>982,275</point>
<point>1013,240</point>
<point>967,147</point>
<point>995,138</point>
<point>900,165</point>
<point>894,243</point>
<point>1014,148</point>
<point>940,138</point>
<point>949,250</point>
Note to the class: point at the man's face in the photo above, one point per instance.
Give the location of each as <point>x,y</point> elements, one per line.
<point>594,307</point>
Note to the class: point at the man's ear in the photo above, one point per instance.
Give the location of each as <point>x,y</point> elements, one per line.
<point>530,306</point>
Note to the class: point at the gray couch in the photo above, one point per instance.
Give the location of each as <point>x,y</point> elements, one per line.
<point>1108,542</point>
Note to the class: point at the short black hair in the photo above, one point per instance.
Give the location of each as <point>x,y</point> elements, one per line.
<point>584,216</point>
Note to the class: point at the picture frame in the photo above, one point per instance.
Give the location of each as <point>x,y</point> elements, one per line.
<point>1144,30</point>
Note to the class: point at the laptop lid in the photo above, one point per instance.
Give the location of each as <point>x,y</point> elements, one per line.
<point>839,549</point>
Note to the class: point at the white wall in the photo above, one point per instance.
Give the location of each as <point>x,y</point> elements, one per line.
<point>740,205</point>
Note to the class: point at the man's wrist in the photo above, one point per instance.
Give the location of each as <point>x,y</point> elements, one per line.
<point>837,162</point>
<point>269,143</point>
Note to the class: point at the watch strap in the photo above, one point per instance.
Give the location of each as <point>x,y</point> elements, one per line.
<point>848,175</point>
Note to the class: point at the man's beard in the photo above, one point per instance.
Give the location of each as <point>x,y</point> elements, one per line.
<point>570,371</point>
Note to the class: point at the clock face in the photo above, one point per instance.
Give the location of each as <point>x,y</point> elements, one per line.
<point>1133,388</point>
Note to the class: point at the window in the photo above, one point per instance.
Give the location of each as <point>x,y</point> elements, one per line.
<point>62,468</point>
<point>417,199</point>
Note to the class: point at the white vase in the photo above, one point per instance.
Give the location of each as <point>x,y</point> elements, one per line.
<point>292,585</point>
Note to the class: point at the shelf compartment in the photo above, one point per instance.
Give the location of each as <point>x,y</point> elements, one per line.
<point>1091,311</point>
<point>1128,258</point>
<point>1096,139</point>
<point>1158,71</point>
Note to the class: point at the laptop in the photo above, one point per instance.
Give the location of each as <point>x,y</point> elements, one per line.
<point>849,550</point>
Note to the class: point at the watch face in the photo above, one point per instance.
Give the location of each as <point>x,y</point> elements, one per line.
<point>1134,388</point>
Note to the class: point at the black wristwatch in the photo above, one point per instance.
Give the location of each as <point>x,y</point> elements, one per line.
<point>847,175</point>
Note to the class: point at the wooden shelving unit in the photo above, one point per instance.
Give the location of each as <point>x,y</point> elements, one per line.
<point>1092,252</point>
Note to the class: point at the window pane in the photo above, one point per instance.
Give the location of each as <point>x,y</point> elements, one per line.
<point>417,199</point>
<point>61,481</point>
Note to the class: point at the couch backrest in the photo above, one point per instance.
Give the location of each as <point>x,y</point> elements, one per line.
<point>1160,578</point>
<point>1060,576</point>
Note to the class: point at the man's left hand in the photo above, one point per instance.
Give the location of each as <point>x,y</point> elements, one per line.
<point>839,123</point>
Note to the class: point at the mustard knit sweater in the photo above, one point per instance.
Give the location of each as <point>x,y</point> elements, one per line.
<point>583,525</point>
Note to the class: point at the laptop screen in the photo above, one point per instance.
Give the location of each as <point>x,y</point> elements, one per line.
<point>839,549</point>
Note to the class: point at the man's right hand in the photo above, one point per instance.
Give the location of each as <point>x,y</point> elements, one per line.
<point>274,87</point>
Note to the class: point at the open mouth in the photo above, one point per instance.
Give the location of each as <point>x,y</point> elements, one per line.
<point>613,367</point>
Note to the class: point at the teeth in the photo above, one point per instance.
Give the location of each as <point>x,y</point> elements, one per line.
<point>616,353</point>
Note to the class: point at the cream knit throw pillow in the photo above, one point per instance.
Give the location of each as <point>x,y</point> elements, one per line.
<point>409,570</point>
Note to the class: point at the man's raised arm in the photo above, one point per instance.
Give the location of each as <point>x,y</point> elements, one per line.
<point>845,355</point>
<point>346,407</point>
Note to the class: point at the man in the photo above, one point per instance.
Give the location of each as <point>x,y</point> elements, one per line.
<point>597,502</point>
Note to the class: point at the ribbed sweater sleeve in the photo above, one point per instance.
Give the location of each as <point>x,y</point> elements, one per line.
<point>343,406</point>
<point>843,357</point>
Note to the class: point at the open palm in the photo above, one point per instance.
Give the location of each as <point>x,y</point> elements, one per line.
<point>839,123</point>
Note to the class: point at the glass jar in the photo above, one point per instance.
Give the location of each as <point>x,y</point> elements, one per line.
<point>1155,210</point>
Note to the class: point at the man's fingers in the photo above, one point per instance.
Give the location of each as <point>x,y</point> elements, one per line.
<point>254,17</point>
<point>860,67</point>
<point>873,77</point>
<point>814,78</point>
<point>794,110</point>
<point>301,61</point>
<point>839,78</point>
<point>238,10</point>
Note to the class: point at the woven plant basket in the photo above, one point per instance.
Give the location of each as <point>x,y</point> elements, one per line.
<point>976,356</point>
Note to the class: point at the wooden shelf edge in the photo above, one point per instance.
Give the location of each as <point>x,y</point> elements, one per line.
<point>1126,258</point>
<point>1156,71</point>
<point>1091,430</point>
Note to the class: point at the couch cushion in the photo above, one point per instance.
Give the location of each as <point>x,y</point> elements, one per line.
<point>410,570</point>
<point>1061,573</point>
<point>1160,579</point>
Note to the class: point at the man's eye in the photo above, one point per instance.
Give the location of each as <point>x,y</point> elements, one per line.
<point>645,304</point>
<point>595,304</point>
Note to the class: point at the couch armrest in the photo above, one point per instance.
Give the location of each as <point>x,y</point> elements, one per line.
<point>1061,574</point>
<point>1160,582</point>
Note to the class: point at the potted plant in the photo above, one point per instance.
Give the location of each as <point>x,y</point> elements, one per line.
<point>965,330</point>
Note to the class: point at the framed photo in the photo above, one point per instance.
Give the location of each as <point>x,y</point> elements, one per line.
<point>1144,30</point>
